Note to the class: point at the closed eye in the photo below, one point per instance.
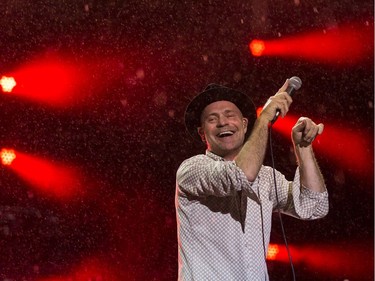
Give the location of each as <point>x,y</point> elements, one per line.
<point>211,118</point>
<point>230,114</point>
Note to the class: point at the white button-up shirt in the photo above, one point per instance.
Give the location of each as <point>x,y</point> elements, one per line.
<point>224,221</point>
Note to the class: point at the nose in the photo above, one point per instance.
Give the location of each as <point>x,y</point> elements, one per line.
<point>222,121</point>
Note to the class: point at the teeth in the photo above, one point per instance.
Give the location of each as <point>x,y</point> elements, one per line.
<point>225,134</point>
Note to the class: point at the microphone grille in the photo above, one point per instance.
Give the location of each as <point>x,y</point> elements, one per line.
<point>295,82</point>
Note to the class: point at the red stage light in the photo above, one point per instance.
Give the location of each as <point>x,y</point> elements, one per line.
<point>257,47</point>
<point>63,81</point>
<point>7,84</point>
<point>91,268</point>
<point>348,149</point>
<point>52,81</point>
<point>48,177</point>
<point>339,45</point>
<point>7,156</point>
<point>339,259</point>
<point>273,251</point>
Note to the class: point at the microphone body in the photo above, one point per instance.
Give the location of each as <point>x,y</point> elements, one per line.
<point>294,84</point>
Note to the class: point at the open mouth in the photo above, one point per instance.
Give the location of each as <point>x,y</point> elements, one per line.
<point>225,134</point>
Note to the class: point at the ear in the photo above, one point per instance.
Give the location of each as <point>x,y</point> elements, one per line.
<point>201,134</point>
<point>245,122</point>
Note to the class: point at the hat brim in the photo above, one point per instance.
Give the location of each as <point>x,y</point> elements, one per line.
<point>198,104</point>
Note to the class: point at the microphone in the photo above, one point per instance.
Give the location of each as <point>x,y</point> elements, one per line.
<point>294,84</point>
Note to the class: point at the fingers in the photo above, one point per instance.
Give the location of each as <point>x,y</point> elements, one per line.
<point>310,132</point>
<point>300,125</point>
<point>282,102</point>
<point>283,99</point>
<point>284,87</point>
<point>310,129</point>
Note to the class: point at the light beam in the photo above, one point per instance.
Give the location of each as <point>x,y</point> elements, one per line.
<point>349,44</point>
<point>46,176</point>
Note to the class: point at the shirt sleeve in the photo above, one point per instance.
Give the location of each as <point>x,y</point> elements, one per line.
<point>308,204</point>
<point>203,176</point>
<point>297,200</point>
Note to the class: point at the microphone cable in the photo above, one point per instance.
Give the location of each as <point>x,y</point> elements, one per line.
<point>278,205</point>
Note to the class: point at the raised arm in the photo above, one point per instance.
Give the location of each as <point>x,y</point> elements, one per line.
<point>303,134</point>
<point>251,156</point>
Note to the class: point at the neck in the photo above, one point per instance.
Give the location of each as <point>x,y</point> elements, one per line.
<point>228,156</point>
<point>231,156</point>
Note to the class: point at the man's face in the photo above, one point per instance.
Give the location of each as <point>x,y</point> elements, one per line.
<point>223,128</point>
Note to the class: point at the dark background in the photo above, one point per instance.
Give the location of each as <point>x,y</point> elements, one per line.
<point>128,136</point>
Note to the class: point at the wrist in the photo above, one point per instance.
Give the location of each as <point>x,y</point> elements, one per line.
<point>302,152</point>
<point>263,120</point>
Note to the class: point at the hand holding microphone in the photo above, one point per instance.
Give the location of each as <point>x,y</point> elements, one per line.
<point>280,102</point>
<point>293,85</point>
<point>305,130</point>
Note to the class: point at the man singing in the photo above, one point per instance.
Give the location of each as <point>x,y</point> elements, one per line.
<point>225,197</point>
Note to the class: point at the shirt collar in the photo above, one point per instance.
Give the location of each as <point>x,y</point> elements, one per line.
<point>214,156</point>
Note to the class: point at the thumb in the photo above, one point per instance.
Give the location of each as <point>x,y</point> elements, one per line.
<point>320,128</point>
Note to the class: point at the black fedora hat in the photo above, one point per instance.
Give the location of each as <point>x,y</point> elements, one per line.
<point>213,93</point>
